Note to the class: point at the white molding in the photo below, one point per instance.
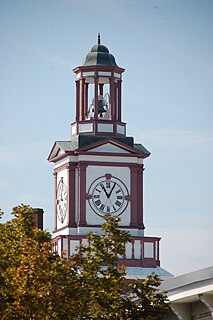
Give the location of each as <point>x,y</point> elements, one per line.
<point>189,293</point>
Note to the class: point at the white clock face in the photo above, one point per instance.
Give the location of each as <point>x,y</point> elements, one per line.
<point>108,195</point>
<point>61,201</point>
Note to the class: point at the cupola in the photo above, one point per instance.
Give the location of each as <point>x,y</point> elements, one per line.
<point>98,95</point>
<point>99,55</point>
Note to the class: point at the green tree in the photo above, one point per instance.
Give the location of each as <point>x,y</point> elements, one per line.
<point>107,295</point>
<point>35,284</point>
<point>100,275</point>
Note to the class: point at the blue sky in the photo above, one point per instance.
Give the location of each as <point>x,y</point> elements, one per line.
<point>166,47</point>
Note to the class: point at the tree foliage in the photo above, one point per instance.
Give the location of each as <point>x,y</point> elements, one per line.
<point>36,284</point>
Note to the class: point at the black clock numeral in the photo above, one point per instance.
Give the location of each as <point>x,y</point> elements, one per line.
<point>108,209</point>
<point>120,197</point>
<point>98,190</point>
<point>118,203</point>
<point>96,196</point>
<point>108,184</point>
<point>97,202</point>
<point>102,207</point>
<point>118,191</point>
<point>114,208</point>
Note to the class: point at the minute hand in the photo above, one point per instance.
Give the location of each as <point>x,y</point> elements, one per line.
<point>111,190</point>
<point>102,186</point>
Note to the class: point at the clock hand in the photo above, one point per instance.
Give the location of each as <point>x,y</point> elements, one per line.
<point>111,190</point>
<point>102,186</point>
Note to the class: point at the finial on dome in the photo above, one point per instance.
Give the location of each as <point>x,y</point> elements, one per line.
<point>99,56</point>
<point>99,38</point>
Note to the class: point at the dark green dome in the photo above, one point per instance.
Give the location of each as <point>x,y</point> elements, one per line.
<point>99,48</point>
<point>99,55</point>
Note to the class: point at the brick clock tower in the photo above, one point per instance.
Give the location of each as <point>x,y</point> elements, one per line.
<point>99,171</point>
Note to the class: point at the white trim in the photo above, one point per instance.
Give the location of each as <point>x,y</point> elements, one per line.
<point>97,159</point>
<point>85,127</point>
<point>86,230</point>
<point>74,129</point>
<point>65,161</point>
<point>120,129</point>
<point>189,293</point>
<point>89,73</point>
<point>104,73</point>
<point>107,159</point>
<point>117,75</point>
<point>78,75</point>
<point>105,127</point>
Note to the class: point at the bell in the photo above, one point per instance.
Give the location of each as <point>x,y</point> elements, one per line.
<point>103,109</point>
<point>101,105</point>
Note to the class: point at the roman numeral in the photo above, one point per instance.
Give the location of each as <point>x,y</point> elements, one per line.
<point>98,190</point>
<point>118,203</point>
<point>102,207</point>
<point>108,209</point>
<point>96,196</point>
<point>118,191</point>
<point>119,197</point>
<point>97,202</point>
<point>108,184</point>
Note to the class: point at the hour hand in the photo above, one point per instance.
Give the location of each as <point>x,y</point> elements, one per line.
<point>102,186</point>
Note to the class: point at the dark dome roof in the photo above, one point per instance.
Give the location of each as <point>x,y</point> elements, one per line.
<point>99,48</point>
<point>99,55</point>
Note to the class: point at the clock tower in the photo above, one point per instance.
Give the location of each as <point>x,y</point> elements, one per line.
<point>99,171</point>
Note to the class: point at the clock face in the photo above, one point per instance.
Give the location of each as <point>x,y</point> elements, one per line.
<point>61,201</point>
<point>108,195</point>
